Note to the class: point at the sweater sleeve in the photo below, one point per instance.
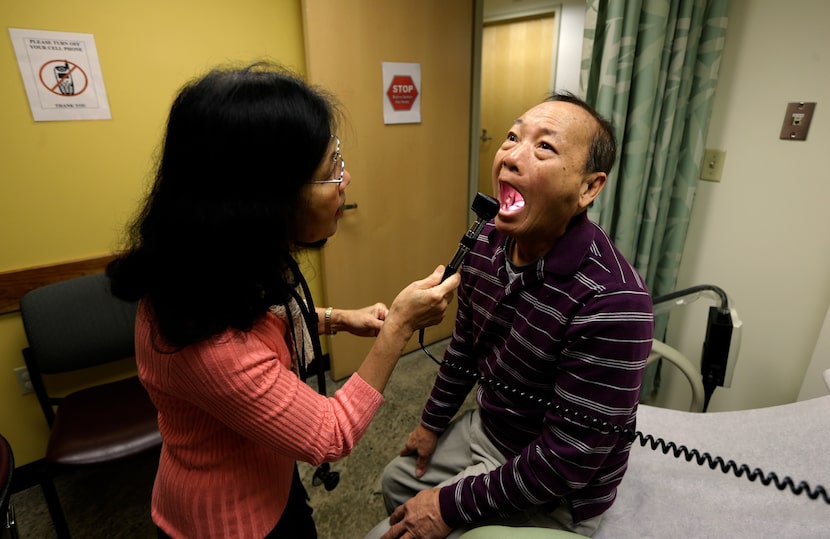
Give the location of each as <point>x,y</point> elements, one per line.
<point>245,381</point>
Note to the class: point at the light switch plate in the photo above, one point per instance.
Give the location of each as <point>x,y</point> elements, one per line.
<point>797,120</point>
<point>712,166</point>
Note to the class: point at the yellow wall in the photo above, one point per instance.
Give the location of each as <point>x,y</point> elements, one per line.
<point>68,188</point>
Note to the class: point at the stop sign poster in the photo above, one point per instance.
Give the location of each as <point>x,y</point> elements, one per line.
<point>61,75</point>
<point>401,93</point>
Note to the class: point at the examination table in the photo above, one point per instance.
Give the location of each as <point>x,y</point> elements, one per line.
<point>662,496</point>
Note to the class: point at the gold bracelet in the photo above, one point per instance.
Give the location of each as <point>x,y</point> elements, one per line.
<point>327,322</point>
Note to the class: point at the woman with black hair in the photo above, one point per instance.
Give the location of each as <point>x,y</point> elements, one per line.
<point>250,173</point>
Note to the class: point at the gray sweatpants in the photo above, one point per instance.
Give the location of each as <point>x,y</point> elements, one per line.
<point>464,450</point>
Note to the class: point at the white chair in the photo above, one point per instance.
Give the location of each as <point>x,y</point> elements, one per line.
<point>659,350</point>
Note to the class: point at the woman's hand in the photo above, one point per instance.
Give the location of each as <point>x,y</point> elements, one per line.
<point>365,322</point>
<point>423,303</point>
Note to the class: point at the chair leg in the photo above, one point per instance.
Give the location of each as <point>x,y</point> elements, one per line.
<point>50,493</point>
<point>11,522</point>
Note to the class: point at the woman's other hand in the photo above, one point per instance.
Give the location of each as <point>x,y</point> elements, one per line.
<point>365,322</point>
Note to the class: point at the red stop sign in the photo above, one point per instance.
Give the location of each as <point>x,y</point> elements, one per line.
<point>402,92</point>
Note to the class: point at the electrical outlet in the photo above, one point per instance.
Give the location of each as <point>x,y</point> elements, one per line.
<point>23,380</point>
<point>797,120</point>
<point>712,166</point>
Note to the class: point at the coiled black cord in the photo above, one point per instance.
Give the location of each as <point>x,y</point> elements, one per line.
<point>607,428</point>
<point>726,466</point>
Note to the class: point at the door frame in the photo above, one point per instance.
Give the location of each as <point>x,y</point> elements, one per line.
<point>500,11</point>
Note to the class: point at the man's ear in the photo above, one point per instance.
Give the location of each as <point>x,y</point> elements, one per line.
<point>591,187</point>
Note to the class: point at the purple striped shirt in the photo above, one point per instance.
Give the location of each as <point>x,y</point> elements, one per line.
<point>573,330</point>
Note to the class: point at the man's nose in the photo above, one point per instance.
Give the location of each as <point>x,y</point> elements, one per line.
<point>512,158</point>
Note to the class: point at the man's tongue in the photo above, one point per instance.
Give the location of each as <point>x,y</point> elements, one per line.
<point>511,200</point>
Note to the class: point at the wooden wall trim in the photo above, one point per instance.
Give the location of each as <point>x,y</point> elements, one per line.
<point>15,283</point>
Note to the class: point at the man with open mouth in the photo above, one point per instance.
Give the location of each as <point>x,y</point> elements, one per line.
<point>556,326</point>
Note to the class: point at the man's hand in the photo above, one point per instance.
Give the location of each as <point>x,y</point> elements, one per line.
<point>420,518</point>
<point>421,442</point>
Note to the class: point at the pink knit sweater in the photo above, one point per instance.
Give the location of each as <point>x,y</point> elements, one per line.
<point>234,418</point>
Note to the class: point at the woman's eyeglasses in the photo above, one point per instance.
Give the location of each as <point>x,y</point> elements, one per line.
<point>335,159</point>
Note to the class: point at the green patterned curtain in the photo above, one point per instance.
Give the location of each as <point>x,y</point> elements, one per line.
<point>651,67</point>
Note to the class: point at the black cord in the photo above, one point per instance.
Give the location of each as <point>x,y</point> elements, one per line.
<point>311,320</point>
<point>323,474</point>
<point>607,428</point>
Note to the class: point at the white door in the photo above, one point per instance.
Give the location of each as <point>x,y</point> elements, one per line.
<point>516,63</point>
